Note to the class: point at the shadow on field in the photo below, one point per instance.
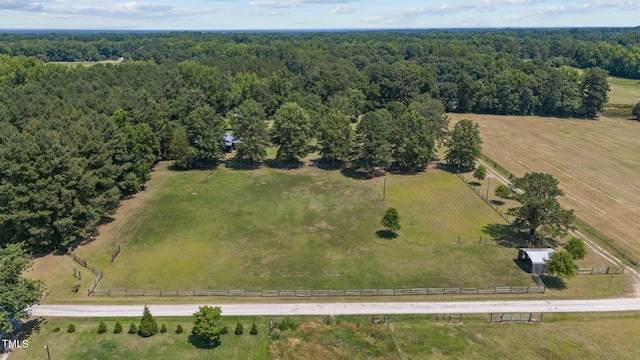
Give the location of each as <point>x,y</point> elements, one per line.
<point>27,329</point>
<point>386,234</point>
<point>201,343</point>
<point>497,202</point>
<point>504,235</point>
<point>553,283</point>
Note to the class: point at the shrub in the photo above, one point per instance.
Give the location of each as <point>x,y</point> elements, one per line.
<point>163,328</point>
<point>254,329</point>
<point>133,329</point>
<point>102,328</point>
<point>148,324</point>
<point>71,329</point>
<point>225,330</point>
<point>179,329</point>
<point>56,329</point>
<point>117,329</point>
<point>239,329</point>
<point>287,324</point>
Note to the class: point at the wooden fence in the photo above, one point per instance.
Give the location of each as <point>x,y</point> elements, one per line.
<point>599,271</point>
<point>83,262</point>
<point>322,293</point>
<point>484,197</point>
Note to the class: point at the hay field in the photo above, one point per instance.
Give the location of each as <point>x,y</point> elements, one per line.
<point>596,162</point>
<point>624,91</point>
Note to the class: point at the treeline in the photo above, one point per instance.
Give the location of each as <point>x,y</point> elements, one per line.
<point>74,140</point>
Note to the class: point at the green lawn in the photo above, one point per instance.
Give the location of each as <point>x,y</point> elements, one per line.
<point>305,229</point>
<point>624,91</point>
<point>559,336</point>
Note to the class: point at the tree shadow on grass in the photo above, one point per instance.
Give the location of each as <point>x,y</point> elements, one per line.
<point>386,234</point>
<point>553,282</point>
<point>27,329</point>
<point>200,343</point>
<point>504,235</point>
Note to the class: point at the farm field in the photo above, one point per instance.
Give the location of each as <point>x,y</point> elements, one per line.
<point>298,229</point>
<point>624,91</point>
<point>559,336</point>
<point>596,162</point>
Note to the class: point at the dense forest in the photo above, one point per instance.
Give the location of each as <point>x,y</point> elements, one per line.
<point>75,139</point>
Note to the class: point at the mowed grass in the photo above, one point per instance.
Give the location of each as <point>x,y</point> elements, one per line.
<point>86,343</point>
<point>303,229</point>
<point>596,162</point>
<point>559,336</point>
<point>624,91</point>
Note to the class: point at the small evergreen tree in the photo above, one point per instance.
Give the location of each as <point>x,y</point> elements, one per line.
<point>636,111</point>
<point>239,329</point>
<point>56,329</point>
<point>117,329</point>
<point>179,329</point>
<point>148,324</point>
<point>102,328</point>
<point>254,329</point>
<point>133,329</point>
<point>71,329</point>
<point>163,328</point>
<point>391,219</point>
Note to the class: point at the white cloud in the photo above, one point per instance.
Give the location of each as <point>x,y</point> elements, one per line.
<point>344,10</point>
<point>295,3</point>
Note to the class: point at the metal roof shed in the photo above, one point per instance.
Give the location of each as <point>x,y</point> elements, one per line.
<point>536,258</point>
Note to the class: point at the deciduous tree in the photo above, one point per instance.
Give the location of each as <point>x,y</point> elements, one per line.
<point>291,130</point>
<point>576,248</point>
<point>373,146</point>
<point>335,138</point>
<point>464,144</point>
<point>16,292</point>
<point>207,323</point>
<point>560,264</point>
<point>480,172</point>
<point>540,209</point>
<point>594,87</point>
<point>502,191</point>
<point>248,124</point>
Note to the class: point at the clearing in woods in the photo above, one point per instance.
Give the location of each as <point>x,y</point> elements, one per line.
<point>300,229</point>
<point>596,162</point>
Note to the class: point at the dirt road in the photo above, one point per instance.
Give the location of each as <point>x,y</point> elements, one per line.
<point>468,307</point>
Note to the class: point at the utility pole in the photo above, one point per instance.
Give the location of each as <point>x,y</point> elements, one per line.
<point>384,190</point>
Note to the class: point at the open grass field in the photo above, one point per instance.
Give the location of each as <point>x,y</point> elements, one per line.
<point>297,229</point>
<point>559,336</point>
<point>624,91</point>
<point>596,162</point>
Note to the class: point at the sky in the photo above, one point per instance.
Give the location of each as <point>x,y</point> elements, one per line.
<point>314,14</point>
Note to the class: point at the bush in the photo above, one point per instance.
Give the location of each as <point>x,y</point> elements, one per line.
<point>71,329</point>
<point>117,329</point>
<point>287,324</point>
<point>254,329</point>
<point>239,329</point>
<point>56,329</point>
<point>133,329</point>
<point>225,330</point>
<point>179,329</point>
<point>163,328</point>
<point>148,324</point>
<point>102,328</point>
